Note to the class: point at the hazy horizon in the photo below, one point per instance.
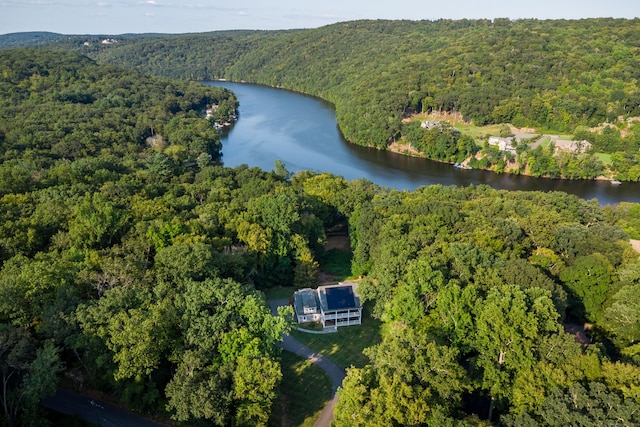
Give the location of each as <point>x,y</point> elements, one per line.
<point>114,17</point>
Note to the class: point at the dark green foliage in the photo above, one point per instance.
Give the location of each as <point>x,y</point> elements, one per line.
<point>144,272</point>
<point>70,107</point>
<point>580,406</point>
<point>555,74</point>
<point>440,143</point>
<point>28,373</point>
<point>487,277</point>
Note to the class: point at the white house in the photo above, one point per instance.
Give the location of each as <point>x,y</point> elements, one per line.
<point>430,125</point>
<point>503,144</point>
<point>307,308</point>
<point>332,305</point>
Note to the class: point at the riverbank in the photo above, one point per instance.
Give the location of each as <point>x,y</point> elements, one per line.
<point>512,167</point>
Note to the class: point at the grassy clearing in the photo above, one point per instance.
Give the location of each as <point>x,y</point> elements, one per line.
<point>478,131</point>
<point>545,142</point>
<point>336,263</point>
<point>279,292</point>
<point>605,158</point>
<point>304,391</point>
<point>345,346</point>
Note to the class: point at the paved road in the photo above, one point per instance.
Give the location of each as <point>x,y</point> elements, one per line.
<point>95,412</point>
<point>335,373</point>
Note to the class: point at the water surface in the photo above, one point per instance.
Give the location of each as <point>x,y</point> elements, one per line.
<point>302,131</point>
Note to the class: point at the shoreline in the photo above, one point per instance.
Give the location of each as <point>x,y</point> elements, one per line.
<point>407,150</point>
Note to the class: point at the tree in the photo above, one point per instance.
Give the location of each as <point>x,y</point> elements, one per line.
<point>228,370</point>
<point>509,325</point>
<point>578,405</point>
<point>622,318</point>
<point>589,280</point>
<point>137,330</point>
<point>28,373</point>
<point>412,381</point>
<point>97,222</point>
<point>199,390</point>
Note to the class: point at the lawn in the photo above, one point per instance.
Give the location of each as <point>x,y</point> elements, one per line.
<point>336,263</point>
<point>279,292</point>
<point>478,131</point>
<point>345,346</point>
<point>605,158</point>
<point>545,142</point>
<point>304,391</point>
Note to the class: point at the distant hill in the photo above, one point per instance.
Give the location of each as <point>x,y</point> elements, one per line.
<point>548,74</point>
<point>554,73</point>
<point>28,39</point>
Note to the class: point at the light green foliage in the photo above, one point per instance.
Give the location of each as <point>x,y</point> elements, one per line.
<point>622,317</point>
<point>510,324</point>
<point>136,329</point>
<point>590,280</point>
<point>199,390</point>
<point>411,380</point>
<point>410,301</point>
<point>97,223</point>
<point>481,282</point>
<point>454,314</point>
<point>229,336</point>
<point>29,285</point>
<point>630,221</point>
<point>255,384</point>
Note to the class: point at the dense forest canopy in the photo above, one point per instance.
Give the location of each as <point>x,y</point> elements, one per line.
<point>133,263</point>
<point>475,288</point>
<point>562,75</point>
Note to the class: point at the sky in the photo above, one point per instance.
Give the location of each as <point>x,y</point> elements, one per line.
<point>113,17</point>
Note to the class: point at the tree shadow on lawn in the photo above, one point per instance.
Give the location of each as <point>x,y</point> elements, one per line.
<point>304,391</point>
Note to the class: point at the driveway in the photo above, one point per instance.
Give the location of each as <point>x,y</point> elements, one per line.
<point>335,373</point>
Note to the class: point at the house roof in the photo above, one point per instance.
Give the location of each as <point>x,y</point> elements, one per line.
<point>338,297</point>
<point>305,301</point>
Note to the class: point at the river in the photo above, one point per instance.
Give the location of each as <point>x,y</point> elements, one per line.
<point>302,131</point>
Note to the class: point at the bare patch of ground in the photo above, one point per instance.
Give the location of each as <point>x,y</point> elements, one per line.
<point>579,333</point>
<point>635,244</point>
<point>453,117</point>
<point>340,243</point>
<point>402,147</point>
<point>337,239</point>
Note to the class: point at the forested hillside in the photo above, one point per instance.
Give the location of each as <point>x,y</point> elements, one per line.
<point>476,288</point>
<point>554,75</point>
<point>132,263</point>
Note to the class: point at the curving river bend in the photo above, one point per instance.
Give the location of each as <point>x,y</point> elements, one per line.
<point>302,131</point>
